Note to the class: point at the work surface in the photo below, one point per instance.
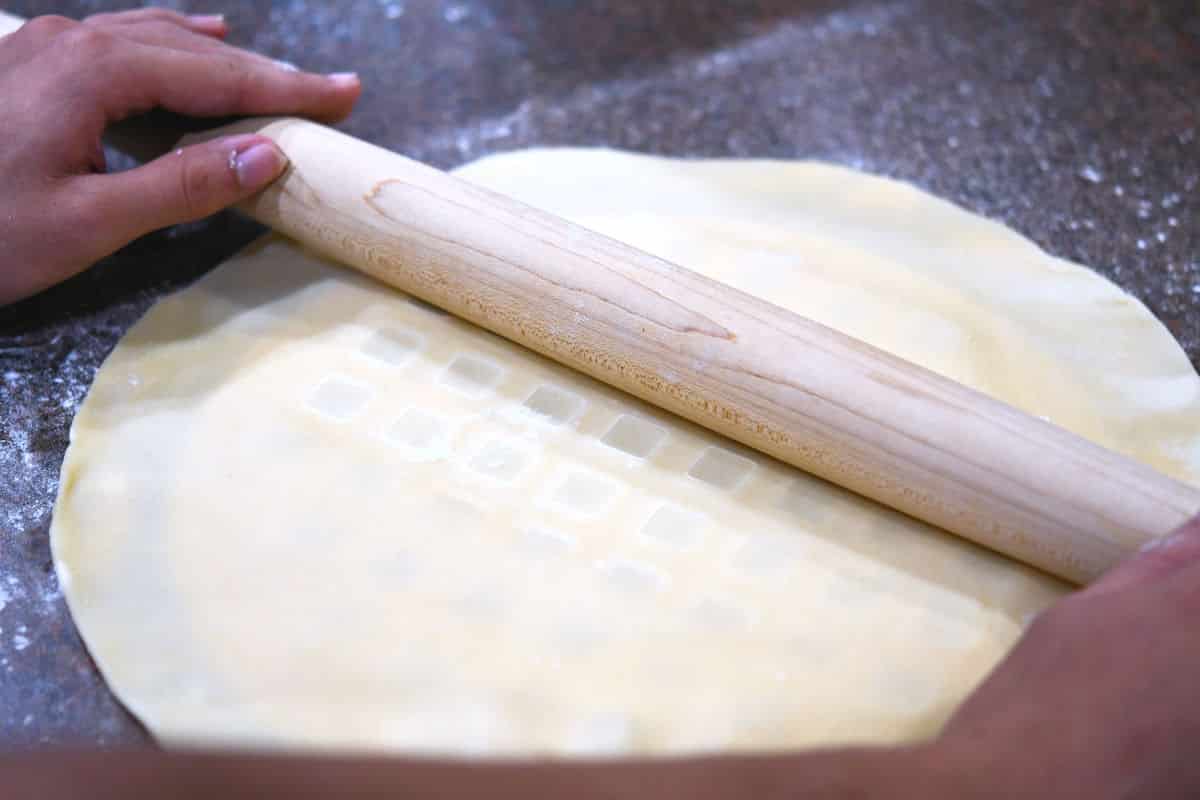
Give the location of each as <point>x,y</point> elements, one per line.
<point>1077,123</point>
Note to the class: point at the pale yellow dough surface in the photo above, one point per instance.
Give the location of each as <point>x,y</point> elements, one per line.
<point>300,509</point>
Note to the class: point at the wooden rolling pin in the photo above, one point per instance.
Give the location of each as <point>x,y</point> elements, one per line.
<point>733,363</point>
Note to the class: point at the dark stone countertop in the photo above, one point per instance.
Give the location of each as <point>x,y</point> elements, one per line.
<point>1076,122</point>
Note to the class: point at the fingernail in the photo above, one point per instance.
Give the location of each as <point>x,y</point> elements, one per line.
<point>343,79</point>
<point>258,165</point>
<point>287,65</point>
<point>206,19</point>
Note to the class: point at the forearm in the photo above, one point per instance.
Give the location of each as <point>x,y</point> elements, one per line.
<point>851,773</point>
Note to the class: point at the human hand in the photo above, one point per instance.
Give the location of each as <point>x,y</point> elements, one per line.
<point>1101,698</point>
<point>63,82</point>
<point>1097,700</point>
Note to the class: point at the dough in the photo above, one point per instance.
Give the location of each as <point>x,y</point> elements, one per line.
<point>302,510</point>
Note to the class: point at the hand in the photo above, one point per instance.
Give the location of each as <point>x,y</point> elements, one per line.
<point>1101,698</point>
<point>63,82</point>
<point>1098,700</point>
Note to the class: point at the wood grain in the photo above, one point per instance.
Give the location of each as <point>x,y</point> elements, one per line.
<point>733,363</point>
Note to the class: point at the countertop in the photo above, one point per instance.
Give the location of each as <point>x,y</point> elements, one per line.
<point>1075,122</point>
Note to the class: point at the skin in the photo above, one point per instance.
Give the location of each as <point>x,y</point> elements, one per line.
<point>1097,700</point>
<point>63,82</point>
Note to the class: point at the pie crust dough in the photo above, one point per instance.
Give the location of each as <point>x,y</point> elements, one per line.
<point>301,509</point>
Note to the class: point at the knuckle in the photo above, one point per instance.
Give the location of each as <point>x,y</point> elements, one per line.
<point>88,42</point>
<point>46,26</point>
<point>161,28</point>
<point>193,186</point>
<point>244,86</point>
<point>202,178</point>
<point>160,14</point>
<point>103,18</point>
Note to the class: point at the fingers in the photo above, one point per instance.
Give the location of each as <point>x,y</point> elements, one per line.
<point>135,61</point>
<point>168,29</point>
<point>163,28</point>
<point>230,82</point>
<point>160,33</point>
<point>204,24</point>
<point>1156,561</point>
<point>181,186</point>
<point>25,43</point>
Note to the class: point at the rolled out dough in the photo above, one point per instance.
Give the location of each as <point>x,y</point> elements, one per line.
<point>300,509</point>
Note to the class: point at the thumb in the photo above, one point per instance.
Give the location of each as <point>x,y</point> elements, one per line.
<point>184,185</point>
<point>1155,561</point>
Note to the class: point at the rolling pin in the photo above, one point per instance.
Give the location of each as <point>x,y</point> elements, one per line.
<point>733,363</point>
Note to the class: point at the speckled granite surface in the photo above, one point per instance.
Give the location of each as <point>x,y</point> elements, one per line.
<point>1076,122</point>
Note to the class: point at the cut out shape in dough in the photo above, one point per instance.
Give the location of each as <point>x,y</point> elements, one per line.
<point>301,509</point>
